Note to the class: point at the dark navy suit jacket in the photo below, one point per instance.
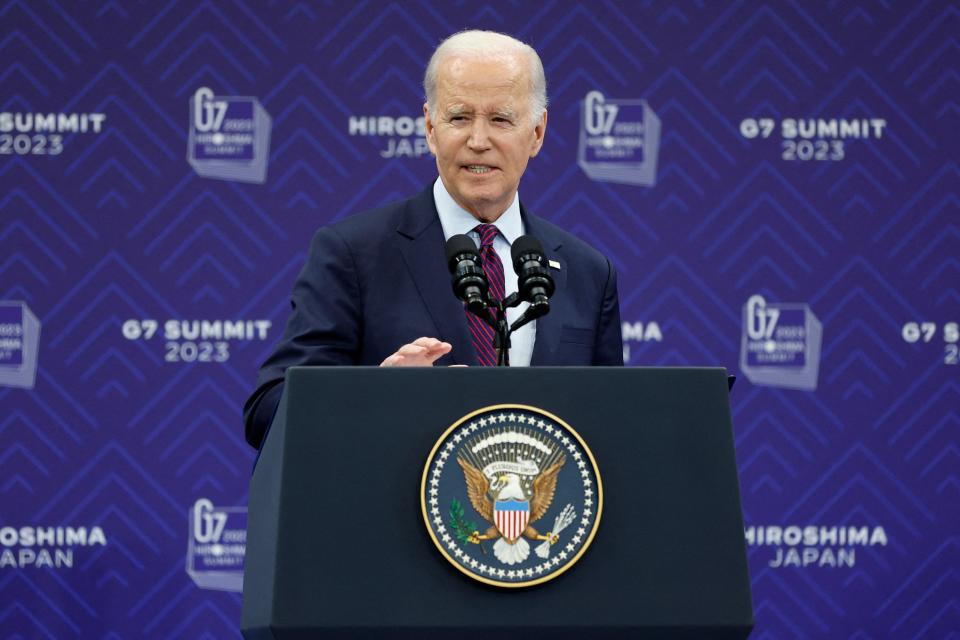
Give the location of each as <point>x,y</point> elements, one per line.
<point>379,280</point>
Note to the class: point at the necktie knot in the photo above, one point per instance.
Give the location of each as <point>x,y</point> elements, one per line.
<point>487,233</point>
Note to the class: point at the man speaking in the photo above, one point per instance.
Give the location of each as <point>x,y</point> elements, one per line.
<point>376,287</point>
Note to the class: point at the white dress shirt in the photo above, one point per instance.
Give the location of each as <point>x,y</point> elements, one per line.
<point>455,220</point>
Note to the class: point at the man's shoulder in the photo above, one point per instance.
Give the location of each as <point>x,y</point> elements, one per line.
<point>384,219</point>
<point>553,236</point>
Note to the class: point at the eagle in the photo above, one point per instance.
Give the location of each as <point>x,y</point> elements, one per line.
<point>506,489</point>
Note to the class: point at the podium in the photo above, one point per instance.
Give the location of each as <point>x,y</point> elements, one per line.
<point>337,546</point>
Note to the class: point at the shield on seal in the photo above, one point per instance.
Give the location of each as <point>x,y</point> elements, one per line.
<point>511,517</point>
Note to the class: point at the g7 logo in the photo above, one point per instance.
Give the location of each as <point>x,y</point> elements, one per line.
<point>207,524</point>
<point>598,116</point>
<point>208,114</point>
<point>761,321</point>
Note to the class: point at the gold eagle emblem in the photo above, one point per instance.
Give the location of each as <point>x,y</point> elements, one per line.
<point>509,526</point>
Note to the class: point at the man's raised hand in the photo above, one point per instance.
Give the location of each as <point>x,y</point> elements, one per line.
<point>422,352</point>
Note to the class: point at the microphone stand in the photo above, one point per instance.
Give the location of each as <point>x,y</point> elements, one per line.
<point>471,286</point>
<point>497,320</point>
<point>493,313</point>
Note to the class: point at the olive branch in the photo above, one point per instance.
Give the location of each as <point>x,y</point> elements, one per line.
<point>462,529</point>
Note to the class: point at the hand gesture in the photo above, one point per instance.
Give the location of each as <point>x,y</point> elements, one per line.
<point>422,352</point>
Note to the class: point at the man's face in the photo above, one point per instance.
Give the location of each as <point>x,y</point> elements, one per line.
<point>483,135</point>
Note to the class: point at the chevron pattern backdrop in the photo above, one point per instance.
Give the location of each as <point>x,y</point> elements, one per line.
<point>107,232</point>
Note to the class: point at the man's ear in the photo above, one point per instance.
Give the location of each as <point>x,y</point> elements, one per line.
<point>428,129</point>
<point>539,131</point>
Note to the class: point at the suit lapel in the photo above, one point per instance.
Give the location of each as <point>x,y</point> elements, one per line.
<point>422,246</point>
<point>548,327</point>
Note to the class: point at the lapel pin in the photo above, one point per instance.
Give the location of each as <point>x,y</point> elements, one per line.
<point>554,264</point>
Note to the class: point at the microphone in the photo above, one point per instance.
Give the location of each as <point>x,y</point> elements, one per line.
<point>534,282</point>
<point>469,281</point>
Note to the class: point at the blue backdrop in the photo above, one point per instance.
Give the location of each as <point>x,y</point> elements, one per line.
<point>776,183</point>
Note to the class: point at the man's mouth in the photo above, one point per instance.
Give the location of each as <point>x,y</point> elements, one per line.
<point>479,169</point>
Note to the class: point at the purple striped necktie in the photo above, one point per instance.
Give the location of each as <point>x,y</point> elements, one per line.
<point>492,266</point>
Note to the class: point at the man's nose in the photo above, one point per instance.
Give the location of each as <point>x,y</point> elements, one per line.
<point>479,139</point>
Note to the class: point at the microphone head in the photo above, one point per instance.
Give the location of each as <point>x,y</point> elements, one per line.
<point>458,245</point>
<point>525,246</point>
<point>534,282</point>
<point>469,281</point>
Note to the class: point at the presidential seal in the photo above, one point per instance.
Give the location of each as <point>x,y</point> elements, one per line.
<point>511,495</point>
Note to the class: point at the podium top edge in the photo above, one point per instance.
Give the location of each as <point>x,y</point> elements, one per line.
<point>536,368</point>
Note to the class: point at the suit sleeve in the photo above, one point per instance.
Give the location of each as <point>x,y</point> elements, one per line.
<point>324,327</point>
<point>608,350</point>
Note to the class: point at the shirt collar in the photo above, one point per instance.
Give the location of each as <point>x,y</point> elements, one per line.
<point>455,219</point>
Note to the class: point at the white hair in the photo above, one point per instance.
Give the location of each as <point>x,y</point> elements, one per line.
<point>487,44</point>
